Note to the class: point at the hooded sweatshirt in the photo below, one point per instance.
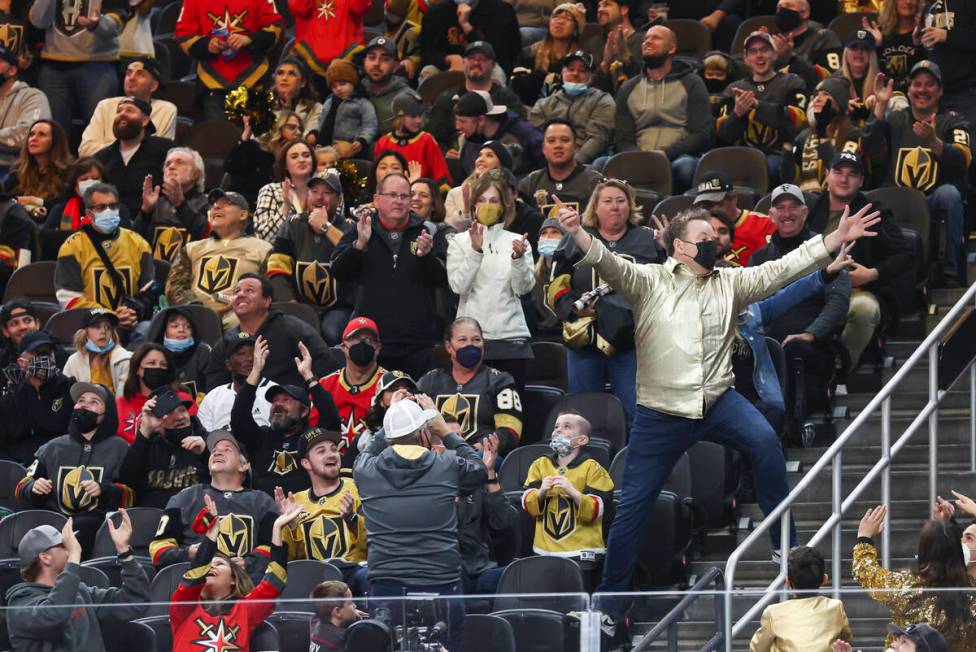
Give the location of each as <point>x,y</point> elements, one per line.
<point>69,460</point>
<point>191,364</point>
<point>408,496</point>
<point>158,467</point>
<point>63,618</point>
<point>20,107</point>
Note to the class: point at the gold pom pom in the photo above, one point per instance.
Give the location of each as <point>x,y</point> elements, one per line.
<point>255,103</point>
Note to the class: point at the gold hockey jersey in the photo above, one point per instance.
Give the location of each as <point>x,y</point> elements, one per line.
<point>320,531</point>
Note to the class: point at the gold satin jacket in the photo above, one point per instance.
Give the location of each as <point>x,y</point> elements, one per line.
<point>802,625</point>
<point>901,591</point>
<point>685,324</point>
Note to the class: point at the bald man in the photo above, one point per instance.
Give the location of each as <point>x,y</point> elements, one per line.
<point>666,109</point>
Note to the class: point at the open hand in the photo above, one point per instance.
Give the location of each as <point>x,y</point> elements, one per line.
<point>364,231</point>
<point>123,534</point>
<point>414,171</point>
<point>304,364</point>
<point>261,352</point>
<point>965,503</point>
<point>150,194</point>
<point>873,522</point>
<point>520,246</point>
<point>477,235</point>
<point>842,260</point>
<point>660,223</point>
<point>942,510</point>
<point>346,503</point>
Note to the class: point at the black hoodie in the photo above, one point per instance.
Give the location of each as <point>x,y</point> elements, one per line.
<point>158,467</point>
<point>69,460</point>
<point>191,364</point>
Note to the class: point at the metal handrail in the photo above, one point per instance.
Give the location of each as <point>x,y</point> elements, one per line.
<point>669,623</point>
<point>833,457</point>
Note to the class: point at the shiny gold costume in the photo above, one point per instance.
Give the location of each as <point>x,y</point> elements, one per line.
<point>901,591</point>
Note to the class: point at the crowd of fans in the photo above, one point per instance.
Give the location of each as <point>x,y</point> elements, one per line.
<point>313,353</point>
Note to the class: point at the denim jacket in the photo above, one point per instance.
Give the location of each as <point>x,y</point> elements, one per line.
<point>752,324</point>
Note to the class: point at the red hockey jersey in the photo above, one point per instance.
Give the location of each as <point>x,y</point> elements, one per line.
<point>752,231</point>
<point>327,29</point>
<point>352,401</point>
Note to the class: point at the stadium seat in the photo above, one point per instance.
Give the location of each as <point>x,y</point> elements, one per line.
<point>487,633</point>
<point>303,576</point>
<point>437,83</point>
<point>541,630</point>
<point>844,24</point>
<point>160,271</point>
<point>301,311</point>
<point>745,167</point>
<point>94,577</point>
<point>182,65</point>
<point>657,566</point>
<point>182,94</point>
<point>34,282</point>
<point>10,474</point>
<point>911,211</point>
<point>112,568</point>
<point>213,138</point>
<point>166,22</point>
<point>126,636</point>
<point>163,585</point>
<point>550,366</point>
<point>714,482</point>
<point>265,638</point>
<point>671,206</point>
<point>209,327</point>
<point>14,527</point>
<point>293,630</point>
<point>515,466</point>
<point>63,325</point>
<point>369,636</point>
<point>605,414</point>
<point>144,523</point>
<point>542,574</point>
<point>694,39</point>
<point>161,51</point>
<point>748,26</point>
<point>537,401</point>
<point>161,628</point>
<point>647,171</point>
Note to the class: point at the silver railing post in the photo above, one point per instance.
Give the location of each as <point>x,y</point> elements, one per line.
<point>784,548</point>
<point>933,422</point>
<point>886,481</point>
<point>836,500</point>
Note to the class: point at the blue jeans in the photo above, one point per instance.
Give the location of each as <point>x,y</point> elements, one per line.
<point>683,172</point>
<point>772,166</point>
<point>81,84</point>
<point>334,321</point>
<point>945,204</point>
<point>394,612</point>
<point>532,35</point>
<point>483,583</point>
<point>657,440</point>
<point>590,371</point>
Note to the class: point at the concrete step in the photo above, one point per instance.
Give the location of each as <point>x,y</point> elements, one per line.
<point>953,428</point>
<point>905,485</point>
<point>951,455</point>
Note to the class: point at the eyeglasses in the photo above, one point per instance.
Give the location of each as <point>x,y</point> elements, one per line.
<point>98,208</point>
<point>396,196</point>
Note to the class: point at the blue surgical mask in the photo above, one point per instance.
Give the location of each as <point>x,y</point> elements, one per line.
<point>574,88</point>
<point>177,345</point>
<point>85,185</point>
<point>547,247</point>
<point>104,349</point>
<point>107,221</point>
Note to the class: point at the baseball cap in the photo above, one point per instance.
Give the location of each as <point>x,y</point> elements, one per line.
<point>357,324</point>
<point>7,311</point>
<point>927,66</point>
<point>148,64</point>
<point>233,197</point>
<point>787,189</point>
<point>484,47</point>
<point>312,436</point>
<point>405,417</point>
<point>8,55</point>
<point>714,186</point>
<point>142,105</point>
<point>390,378</point>
<point>35,340</point>
<point>861,38</point>
<point>328,176</point>
<point>99,390</point>
<point>167,400</point>
<point>383,43</point>
<point>407,103</point>
<point>234,341</point>
<point>294,391</point>
<point>848,158</point>
<point>477,103</point>
<point>925,637</point>
<point>218,436</point>
<point>759,34</point>
<point>36,541</point>
<point>577,55</point>
<point>95,315</point>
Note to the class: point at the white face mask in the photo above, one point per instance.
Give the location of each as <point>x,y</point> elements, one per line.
<point>967,554</point>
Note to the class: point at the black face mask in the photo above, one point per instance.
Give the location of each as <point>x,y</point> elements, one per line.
<point>824,117</point>
<point>707,253</point>
<point>362,353</point>
<point>176,435</point>
<point>155,377</point>
<point>860,113</point>
<point>716,86</point>
<point>654,61</point>
<point>84,420</point>
<point>787,19</point>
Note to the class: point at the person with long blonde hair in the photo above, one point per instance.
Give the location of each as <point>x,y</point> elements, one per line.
<point>859,65</point>
<point>99,356</point>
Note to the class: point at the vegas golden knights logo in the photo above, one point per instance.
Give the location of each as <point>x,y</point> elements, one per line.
<point>217,274</point>
<point>283,462</point>
<point>316,283</point>
<point>898,65</point>
<point>106,293</point>
<point>552,210</point>
<point>916,168</point>
<point>325,537</point>
<point>70,494</point>
<point>167,242</point>
<point>464,409</point>
<point>12,36</point>
<point>217,637</point>
<point>560,520</point>
<point>760,135</point>
<point>235,535</point>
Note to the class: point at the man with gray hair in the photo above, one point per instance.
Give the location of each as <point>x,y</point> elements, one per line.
<point>174,212</point>
<point>408,495</point>
<point>52,609</point>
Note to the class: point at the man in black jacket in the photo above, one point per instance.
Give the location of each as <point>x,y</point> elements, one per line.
<point>449,27</point>
<point>135,153</point>
<point>274,449</point>
<point>389,254</point>
<point>251,303</point>
<point>878,261</point>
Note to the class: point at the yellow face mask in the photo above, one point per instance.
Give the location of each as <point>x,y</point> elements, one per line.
<point>488,214</point>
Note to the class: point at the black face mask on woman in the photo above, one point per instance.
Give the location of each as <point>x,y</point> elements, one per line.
<point>84,420</point>
<point>156,377</point>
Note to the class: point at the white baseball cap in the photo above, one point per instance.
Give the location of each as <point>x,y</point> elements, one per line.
<point>404,418</point>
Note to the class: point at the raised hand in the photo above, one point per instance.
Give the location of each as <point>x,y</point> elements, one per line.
<point>965,503</point>
<point>853,227</point>
<point>942,510</point>
<point>569,218</point>
<point>477,233</point>
<point>364,231</point>
<point>150,194</point>
<point>871,27</point>
<point>211,506</point>
<point>122,534</point>
<point>261,351</point>
<point>149,422</point>
<point>304,364</point>
<point>843,259</point>
<point>660,225</point>
<point>414,171</point>
<point>872,523</point>
<point>194,443</point>
<point>424,244</point>
<point>248,132</point>
<point>520,246</point>
<point>70,541</point>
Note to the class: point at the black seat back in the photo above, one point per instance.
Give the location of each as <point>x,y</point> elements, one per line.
<point>487,633</point>
<point>543,574</point>
<point>605,413</point>
<point>542,629</point>
<point>303,576</point>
